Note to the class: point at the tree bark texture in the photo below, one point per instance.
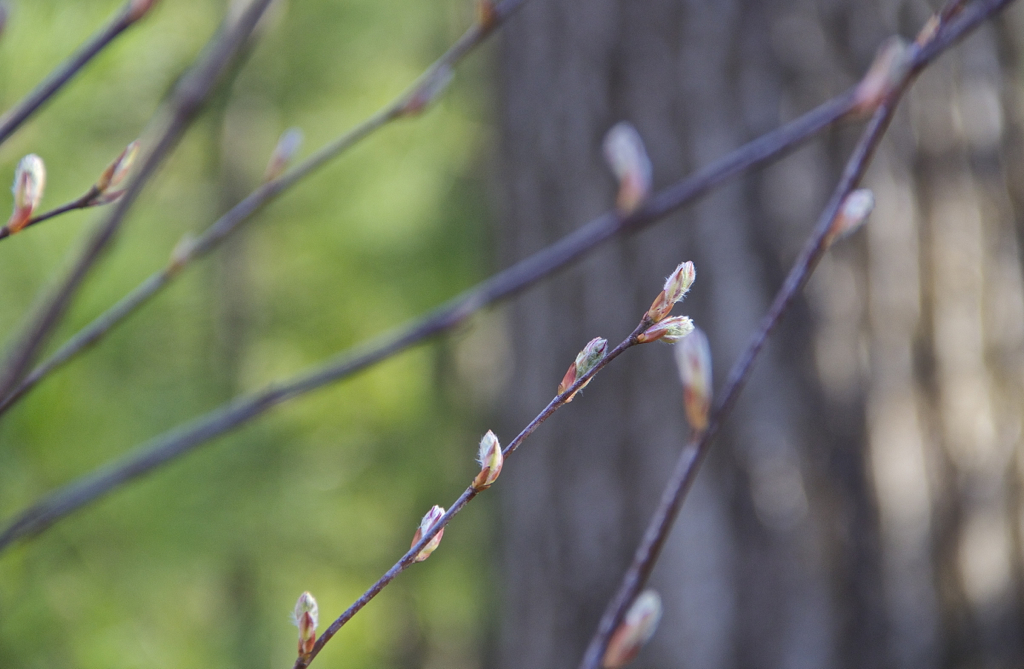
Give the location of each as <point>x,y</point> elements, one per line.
<point>863,506</point>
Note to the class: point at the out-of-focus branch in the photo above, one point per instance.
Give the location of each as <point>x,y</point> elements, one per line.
<point>694,452</point>
<point>184,439</point>
<point>126,17</point>
<point>178,442</point>
<point>184,105</point>
<point>410,102</point>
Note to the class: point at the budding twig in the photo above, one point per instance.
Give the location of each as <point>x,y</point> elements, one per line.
<point>125,17</point>
<point>695,451</point>
<point>184,439</point>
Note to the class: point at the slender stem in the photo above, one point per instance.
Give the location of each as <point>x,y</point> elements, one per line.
<point>64,72</point>
<point>409,558</point>
<point>182,440</point>
<point>211,238</point>
<point>694,452</point>
<point>87,200</point>
<point>185,104</point>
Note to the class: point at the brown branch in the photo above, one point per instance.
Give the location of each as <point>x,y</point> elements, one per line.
<point>211,238</point>
<point>126,17</point>
<point>408,559</point>
<point>84,202</point>
<point>185,104</point>
<point>693,454</point>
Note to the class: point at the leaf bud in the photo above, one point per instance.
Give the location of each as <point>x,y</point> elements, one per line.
<point>427,90</point>
<point>287,146</point>
<point>633,632</point>
<point>888,71</point>
<point>306,617</point>
<point>670,330</point>
<point>855,209</point>
<point>625,153</point>
<point>428,522</point>
<point>676,287</point>
<point>29,183</point>
<point>693,358</point>
<point>490,459</point>
<point>115,174</point>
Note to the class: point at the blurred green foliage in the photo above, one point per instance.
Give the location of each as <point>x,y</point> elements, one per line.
<point>201,563</point>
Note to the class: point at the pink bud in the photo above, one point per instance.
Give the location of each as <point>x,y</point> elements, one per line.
<point>693,358</point>
<point>887,72</point>
<point>29,183</point>
<point>676,287</point>
<point>306,617</point>
<point>428,522</point>
<point>855,209</point>
<point>670,330</point>
<point>592,353</point>
<point>490,459</point>
<point>624,150</point>
<point>633,632</point>
<point>116,172</point>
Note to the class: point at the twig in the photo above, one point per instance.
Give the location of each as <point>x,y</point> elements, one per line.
<point>185,104</point>
<point>184,439</point>
<point>255,201</point>
<point>409,558</point>
<point>84,202</point>
<point>127,16</point>
<point>693,454</point>
<point>178,442</point>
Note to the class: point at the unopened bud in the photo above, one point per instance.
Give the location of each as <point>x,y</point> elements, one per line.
<point>676,287</point>
<point>586,359</point>
<point>670,330</point>
<point>693,358</point>
<point>624,150</point>
<point>138,8</point>
<point>854,211</point>
<point>287,146</point>
<point>887,72</point>
<point>306,617</point>
<point>115,174</point>
<point>633,632</point>
<point>430,87</point>
<point>486,15</point>
<point>181,253</point>
<point>428,522</point>
<point>490,459</point>
<point>29,183</point>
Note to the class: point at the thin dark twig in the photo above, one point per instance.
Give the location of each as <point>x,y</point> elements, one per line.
<point>185,104</point>
<point>693,454</point>
<point>211,238</point>
<point>84,202</point>
<point>182,440</point>
<point>409,558</point>
<point>64,72</point>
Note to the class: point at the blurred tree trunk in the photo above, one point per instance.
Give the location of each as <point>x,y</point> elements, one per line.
<point>863,508</point>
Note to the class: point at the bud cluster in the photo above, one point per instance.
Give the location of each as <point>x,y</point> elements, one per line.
<point>670,329</point>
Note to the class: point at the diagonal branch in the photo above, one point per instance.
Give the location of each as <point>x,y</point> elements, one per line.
<point>693,454</point>
<point>503,285</point>
<point>185,104</point>
<point>408,103</point>
<point>126,17</point>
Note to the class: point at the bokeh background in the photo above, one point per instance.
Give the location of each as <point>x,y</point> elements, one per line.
<point>865,507</point>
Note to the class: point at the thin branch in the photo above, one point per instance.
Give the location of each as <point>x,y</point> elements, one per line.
<point>84,202</point>
<point>184,439</point>
<point>211,238</point>
<point>503,285</point>
<point>409,558</point>
<point>693,454</point>
<point>127,16</point>
<point>185,104</point>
